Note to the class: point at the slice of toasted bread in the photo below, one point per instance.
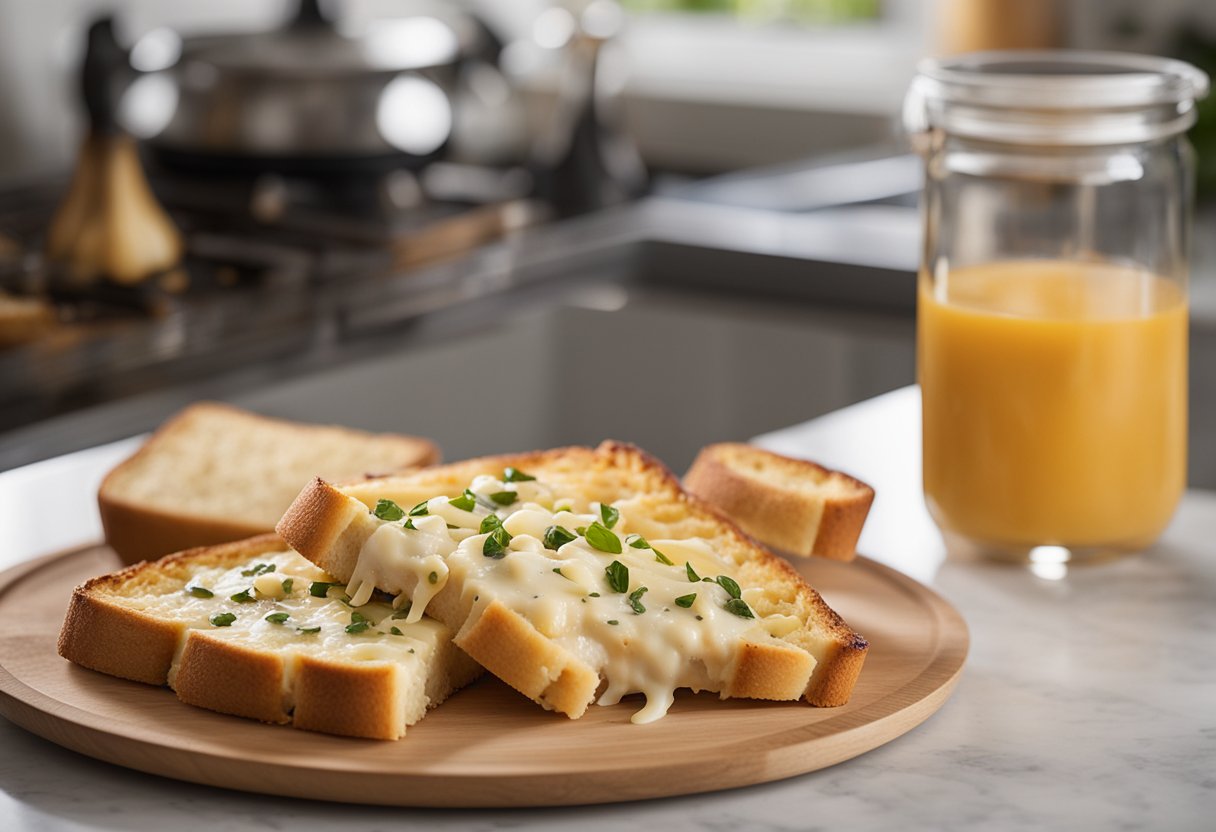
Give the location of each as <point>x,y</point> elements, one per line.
<point>215,473</point>
<point>558,637</point>
<point>157,623</point>
<point>790,504</point>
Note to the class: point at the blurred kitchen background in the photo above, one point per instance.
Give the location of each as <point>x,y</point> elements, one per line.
<point>500,223</point>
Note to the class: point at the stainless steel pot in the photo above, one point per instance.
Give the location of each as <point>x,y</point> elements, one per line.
<point>308,97</point>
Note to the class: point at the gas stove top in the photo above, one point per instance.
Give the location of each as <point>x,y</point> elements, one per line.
<point>267,261</point>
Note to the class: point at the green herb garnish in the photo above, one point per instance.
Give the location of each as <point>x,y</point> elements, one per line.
<point>200,592</point>
<point>692,573</point>
<point>395,631</point>
<point>504,498</point>
<point>739,607</point>
<point>558,536</point>
<point>223,619</point>
<point>308,630</point>
<point>288,585</point>
<point>277,617</point>
<point>636,541</point>
<point>685,601</point>
<point>728,583</point>
<point>465,502</point>
<point>635,600</point>
<point>358,623</point>
<point>601,538</point>
<point>388,510</point>
<point>420,509</point>
<point>433,578</point>
<point>489,523</point>
<point>243,597</point>
<point>613,622</point>
<point>609,514</point>
<point>319,589</point>
<point>257,569</point>
<point>404,611</point>
<point>618,576</point>
<point>496,544</point>
<point>594,594</point>
<point>516,475</point>
<point>409,524</point>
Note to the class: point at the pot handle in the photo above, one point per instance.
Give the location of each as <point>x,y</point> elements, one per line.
<point>309,16</point>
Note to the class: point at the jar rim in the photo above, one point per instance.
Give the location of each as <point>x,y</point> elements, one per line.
<point>1063,79</point>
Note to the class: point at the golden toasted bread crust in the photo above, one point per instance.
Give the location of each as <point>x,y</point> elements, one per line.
<point>822,514</point>
<point>231,678</point>
<point>347,698</point>
<point>506,644</point>
<point>352,701</point>
<point>102,635</point>
<point>137,530</point>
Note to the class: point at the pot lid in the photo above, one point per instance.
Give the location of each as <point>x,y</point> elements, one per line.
<point>318,50</point>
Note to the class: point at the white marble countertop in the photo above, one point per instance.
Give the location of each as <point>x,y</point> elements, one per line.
<point>1088,701</point>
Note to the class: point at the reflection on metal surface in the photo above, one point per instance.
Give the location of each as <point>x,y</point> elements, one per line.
<point>414,115</point>
<point>410,43</point>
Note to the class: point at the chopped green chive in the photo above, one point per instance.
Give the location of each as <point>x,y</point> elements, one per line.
<point>258,569</point>
<point>515,475</point>
<point>223,619</point>
<point>618,576</point>
<point>601,538</point>
<point>277,617</point>
<point>358,624</point>
<point>613,622</point>
<point>433,578</point>
<point>558,536</point>
<point>388,510</point>
<point>243,597</point>
<point>308,631</point>
<point>732,588</point>
<point>635,600</point>
<point>685,601</point>
<point>465,502</point>
<point>490,523</point>
<point>200,592</point>
<point>692,573</point>
<point>609,514</point>
<point>739,607</point>
<point>504,498</point>
<point>318,589</point>
<point>496,544</point>
<point>420,510</point>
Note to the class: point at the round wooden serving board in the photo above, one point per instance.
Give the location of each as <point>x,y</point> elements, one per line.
<point>487,745</point>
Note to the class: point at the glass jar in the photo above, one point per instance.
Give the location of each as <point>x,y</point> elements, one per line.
<point>1052,312</point>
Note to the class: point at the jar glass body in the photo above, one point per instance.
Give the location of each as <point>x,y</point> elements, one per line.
<point>1052,343</point>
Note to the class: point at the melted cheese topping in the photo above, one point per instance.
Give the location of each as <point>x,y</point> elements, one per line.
<point>635,635</point>
<point>285,590</point>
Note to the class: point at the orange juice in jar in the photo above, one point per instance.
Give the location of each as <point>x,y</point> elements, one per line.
<point>1052,310</point>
